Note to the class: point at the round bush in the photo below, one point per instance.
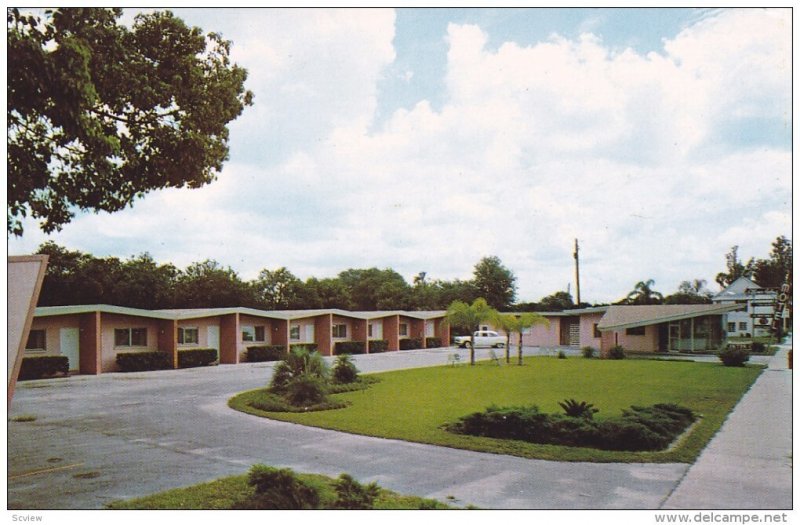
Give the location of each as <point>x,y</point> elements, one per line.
<point>588,352</point>
<point>732,356</point>
<point>344,371</point>
<point>616,352</point>
<point>305,390</point>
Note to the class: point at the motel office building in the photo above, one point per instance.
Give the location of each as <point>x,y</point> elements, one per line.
<point>91,336</point>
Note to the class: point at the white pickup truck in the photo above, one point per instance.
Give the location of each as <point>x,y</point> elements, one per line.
<point>483,339</point>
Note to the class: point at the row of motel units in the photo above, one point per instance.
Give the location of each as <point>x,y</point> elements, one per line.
<point>91,336</point>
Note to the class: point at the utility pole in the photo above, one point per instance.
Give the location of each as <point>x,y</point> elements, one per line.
<point>577,276</point>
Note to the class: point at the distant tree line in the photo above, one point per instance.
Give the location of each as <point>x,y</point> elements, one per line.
<point>74,277</point>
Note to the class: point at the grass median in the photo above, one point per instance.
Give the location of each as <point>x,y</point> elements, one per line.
<point>413,405</point>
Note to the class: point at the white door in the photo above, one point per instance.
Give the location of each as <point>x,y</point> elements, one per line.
<point>213,337</point>
<point>309,333</point>
<point>70,347</point>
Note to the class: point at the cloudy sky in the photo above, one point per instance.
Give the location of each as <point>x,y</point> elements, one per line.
<point>423,140</point>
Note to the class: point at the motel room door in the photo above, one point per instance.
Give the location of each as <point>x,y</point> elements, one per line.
<point>70,347</point>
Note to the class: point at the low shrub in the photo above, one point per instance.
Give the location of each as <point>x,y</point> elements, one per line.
<point>279,489</point>
<point>378,346</point>
<point>561,354</point>
<point>344,371</point>
<point>733,356</point>
<point>270,402</point>
<point>142,361</point>
<point>616,352</point>
<point>41,366</point>
<point>638,429</point>
<point>362,383</point>
<point>588,352</point>
<point>349,347</point>
<point>352,495</point>
<point>257,354</point>
<point>298,362</point>
<point>305,390</point>
<point>573,408</point>
<point>433,342</point>
<point>758,347</point>
<point>410,343</point>
<point>196,357</point>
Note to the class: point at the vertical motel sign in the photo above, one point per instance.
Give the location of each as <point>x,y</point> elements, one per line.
<point>781,301</point>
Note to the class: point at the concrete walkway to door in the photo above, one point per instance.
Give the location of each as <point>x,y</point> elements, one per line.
<point>748,464</point>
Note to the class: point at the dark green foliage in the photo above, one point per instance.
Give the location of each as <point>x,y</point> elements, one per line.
<point>378,346</point>
<point>362,383</point>
<point>100,112</point>
<point>639,428</point>
<point>349,347</point>
<point>196,357</point>
<point>495,283</point>
<point>575,409</point>
<point>305,390</point>
<point>298,363</point>
<point>257,354</point>
<point>561,354</point>
<point>410,344</point>
<point>758,347</point>
<point>344,371</point>
<point>271,402</point>
<point>616,352</point>
<point>141,361</point>
<point>433,342</point>
<point>279,489</point>
<point>43,366</point>
<point>352,495</point>
<point>308,347</point>
<point>588,352</point>
<point>734,356</point>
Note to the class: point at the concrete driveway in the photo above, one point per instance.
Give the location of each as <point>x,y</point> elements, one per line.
<point>97,439</point>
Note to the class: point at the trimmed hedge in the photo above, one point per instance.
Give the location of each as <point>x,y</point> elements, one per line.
<point>311,347</point>
<point>410,344</point>
<point>257,354</point>
<point>639,428</point>
<point>378,346</point>
<point>38,367</point>
<point>433,342</point>
<point>349,347</point>
<point>143,361</point>
<point>616,352</point>
<point>196,357</point>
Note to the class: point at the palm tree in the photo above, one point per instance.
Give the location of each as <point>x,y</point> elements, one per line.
<point>518,323</point>
<point>643,293</point>
<point>469,317</point>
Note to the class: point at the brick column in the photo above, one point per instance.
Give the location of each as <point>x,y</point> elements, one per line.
<point>280,333</point>
<point>391,329</point>
<point>442,330</point>
<point>323,330</point>
<point>90,342</point>
<point>168,339</point>
<point>416,330</point>
<point>360,332</point>
<point>229,334</point>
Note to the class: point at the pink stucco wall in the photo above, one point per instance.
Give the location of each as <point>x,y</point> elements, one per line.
<point>638,343</point>
<point>202,325</point>
<point>111,322</point>
<point>587,338</point>
<point>52,325</point>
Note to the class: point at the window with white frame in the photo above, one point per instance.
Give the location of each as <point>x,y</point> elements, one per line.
<point>403,331</point>
<point>188,335</point>
<point>37,341</point>
<point>252,333</point>
<point>375,330</point>
<point>340,331</point>
<point>130,337</point>
<point>294,332</point>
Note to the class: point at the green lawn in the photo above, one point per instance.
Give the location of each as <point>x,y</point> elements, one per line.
<point>224,493</point>
<point>412,405</point>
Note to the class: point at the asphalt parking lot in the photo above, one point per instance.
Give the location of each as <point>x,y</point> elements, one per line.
<point>96,439</point>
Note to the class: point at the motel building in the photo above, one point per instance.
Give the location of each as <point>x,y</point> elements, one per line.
<point>91,336</point>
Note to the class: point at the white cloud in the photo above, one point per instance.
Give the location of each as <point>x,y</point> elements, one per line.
<point>533,147</point>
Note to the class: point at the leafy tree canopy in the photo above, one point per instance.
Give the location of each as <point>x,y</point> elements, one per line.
<point>495,283</point>
<point>735,268</point>
<point>99,114</point>
<point>772,272</point>
<point>643,293</point>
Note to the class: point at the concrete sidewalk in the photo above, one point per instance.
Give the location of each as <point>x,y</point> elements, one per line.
<point>748,464</point>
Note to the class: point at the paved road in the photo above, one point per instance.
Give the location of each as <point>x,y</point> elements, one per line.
<point>101,438</point>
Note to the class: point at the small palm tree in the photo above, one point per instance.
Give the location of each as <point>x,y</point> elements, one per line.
<point>511,323</point>
<point>469,317</point>
<point>643,293</point>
